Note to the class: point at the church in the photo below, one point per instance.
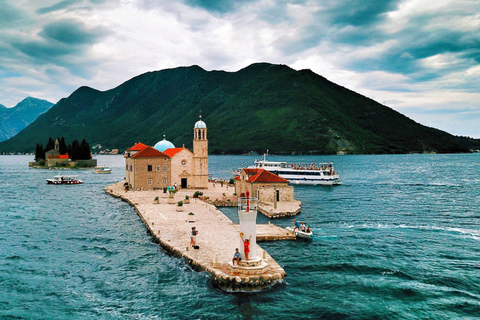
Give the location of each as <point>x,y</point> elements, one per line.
<point>163,165</point>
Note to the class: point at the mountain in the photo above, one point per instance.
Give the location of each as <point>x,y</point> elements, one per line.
<point>14,120</point>
<point>262,106</point>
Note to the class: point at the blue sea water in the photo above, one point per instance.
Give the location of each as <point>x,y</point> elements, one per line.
<point>399,239</point>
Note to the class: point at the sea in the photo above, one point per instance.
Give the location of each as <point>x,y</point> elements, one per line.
<point>399,239</point>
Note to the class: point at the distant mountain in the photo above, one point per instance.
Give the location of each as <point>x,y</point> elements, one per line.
<point>13,120</point>
<point>262,106</point>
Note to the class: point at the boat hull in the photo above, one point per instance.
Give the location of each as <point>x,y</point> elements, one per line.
<point>50,181</point>
<point>300,234</point>
<point>313,182</point>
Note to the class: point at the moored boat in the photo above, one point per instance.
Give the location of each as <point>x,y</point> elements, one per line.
<point>59,179</point>
<point>102,170</point>
<point>305,174</point>
<point>300,233</point>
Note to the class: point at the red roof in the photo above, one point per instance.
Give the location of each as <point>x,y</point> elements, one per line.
<point>149,152</point>
<point>172,151</point>
<point>137,147</point>
<point>263,176</point>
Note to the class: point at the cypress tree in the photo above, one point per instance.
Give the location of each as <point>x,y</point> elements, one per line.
<point>85,150</point>
<point>63,146</point>
<point>75,151</point>
<point>50,145</point>
<point>39,152</point>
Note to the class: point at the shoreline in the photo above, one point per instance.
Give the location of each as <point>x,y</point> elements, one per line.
<point>218,237</point>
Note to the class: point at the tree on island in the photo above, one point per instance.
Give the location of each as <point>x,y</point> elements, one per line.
<point>50,145</point>
<point>76,151</point>
<point>80,151</point>
<point>63,148</point>
<point>39,153</point>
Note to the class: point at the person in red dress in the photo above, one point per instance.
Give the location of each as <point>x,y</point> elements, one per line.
<point>246,245</point>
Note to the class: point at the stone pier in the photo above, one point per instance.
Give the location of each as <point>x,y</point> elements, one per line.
<point>217,237</point>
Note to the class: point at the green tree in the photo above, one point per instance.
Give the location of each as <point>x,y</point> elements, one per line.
<point>39,152</point>
<point>63,146</point>
<point>50,145</point>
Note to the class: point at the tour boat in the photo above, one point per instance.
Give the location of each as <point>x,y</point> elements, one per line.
<point>64,180</point>
<point>102,170</point>
<point>299,233</point>
<point>305,174</point>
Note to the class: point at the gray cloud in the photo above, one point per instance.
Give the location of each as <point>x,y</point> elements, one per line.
<point>71,32</point>
<point>58,6</point>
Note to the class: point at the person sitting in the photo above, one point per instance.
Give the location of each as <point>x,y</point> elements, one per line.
<point>237,256</point>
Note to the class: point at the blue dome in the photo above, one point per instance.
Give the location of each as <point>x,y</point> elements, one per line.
<point>163,145</point>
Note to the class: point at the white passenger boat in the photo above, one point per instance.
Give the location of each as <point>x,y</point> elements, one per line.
<point>102,170</point>
<point>299,233</point>
<point>307,174</point>
<point>64,180</point>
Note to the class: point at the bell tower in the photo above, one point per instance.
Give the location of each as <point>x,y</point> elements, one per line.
<point>200,155</point>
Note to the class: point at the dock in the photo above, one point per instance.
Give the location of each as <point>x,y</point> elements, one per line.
<point>217,237</point>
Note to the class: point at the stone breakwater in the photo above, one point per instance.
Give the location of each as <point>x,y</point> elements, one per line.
<point>217,238</point>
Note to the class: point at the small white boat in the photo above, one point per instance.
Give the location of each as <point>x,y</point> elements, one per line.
<point>102,170</point>
<point>299,233</point>
<point>64,180</point>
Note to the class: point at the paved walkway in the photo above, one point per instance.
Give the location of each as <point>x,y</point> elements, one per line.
<point>217,238</point>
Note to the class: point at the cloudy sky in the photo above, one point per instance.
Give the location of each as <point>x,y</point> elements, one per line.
<point>419,57</point>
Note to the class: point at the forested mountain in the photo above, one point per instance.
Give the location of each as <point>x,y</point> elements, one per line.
<point>262,106</point>
<point>14,120</point>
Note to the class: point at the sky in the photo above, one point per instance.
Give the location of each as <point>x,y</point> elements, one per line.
<point>418,57</point>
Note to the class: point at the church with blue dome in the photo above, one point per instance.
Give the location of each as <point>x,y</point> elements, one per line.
<point>164,165</point>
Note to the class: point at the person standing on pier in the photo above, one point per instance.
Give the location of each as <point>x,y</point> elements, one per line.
<point>246,245</point>
<point>193,236</point>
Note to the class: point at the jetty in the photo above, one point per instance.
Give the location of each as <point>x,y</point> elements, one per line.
<point>217,238</point>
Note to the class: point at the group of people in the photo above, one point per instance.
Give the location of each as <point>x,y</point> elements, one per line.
<point>301,226</point>
<point>237,256</point>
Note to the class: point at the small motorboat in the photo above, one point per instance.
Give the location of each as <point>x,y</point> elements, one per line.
<point>299,233</point>
<point>102,170</point>
<point>64,180</point>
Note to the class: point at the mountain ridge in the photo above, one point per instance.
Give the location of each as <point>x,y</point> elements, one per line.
<point>262,106</point>
<point>14,120</point>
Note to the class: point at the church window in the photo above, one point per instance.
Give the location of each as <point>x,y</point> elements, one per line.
<point>184,162</point>
<point>149,181</point>
<point>149,167</point>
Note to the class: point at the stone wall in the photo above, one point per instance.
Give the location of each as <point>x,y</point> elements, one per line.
<point>139,176</point>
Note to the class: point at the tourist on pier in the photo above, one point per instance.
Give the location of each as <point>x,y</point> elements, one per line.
<point>193,236</point>
<point>246,245</point>
<point>236,257</point>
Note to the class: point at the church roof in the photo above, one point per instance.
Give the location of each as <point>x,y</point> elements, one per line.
<point>200,124</point>
<point>173,151</point>
<point>163,145</point>
<point>137,147</point>
<point>263,176</point>
<point>149,152</point>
